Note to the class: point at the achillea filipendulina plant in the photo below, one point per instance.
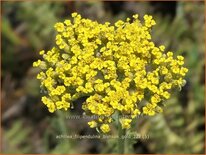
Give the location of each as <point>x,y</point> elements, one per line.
<point>118,67</point>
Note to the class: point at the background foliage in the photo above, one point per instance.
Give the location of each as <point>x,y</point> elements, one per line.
<point>27,127</point>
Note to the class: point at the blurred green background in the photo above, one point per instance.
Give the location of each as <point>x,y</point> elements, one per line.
<point>27,126</point>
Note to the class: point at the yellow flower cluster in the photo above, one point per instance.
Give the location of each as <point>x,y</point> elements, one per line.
<point>118,67</point>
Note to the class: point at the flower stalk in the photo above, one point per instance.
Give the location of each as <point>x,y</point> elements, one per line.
<point>121,139</point>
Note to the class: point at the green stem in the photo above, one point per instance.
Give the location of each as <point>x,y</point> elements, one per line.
<point>121,139</point>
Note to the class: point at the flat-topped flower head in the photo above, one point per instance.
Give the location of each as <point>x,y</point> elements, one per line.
<point>118,67</point>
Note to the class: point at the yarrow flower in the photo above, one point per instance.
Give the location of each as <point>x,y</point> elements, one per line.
<point>118,67</point>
